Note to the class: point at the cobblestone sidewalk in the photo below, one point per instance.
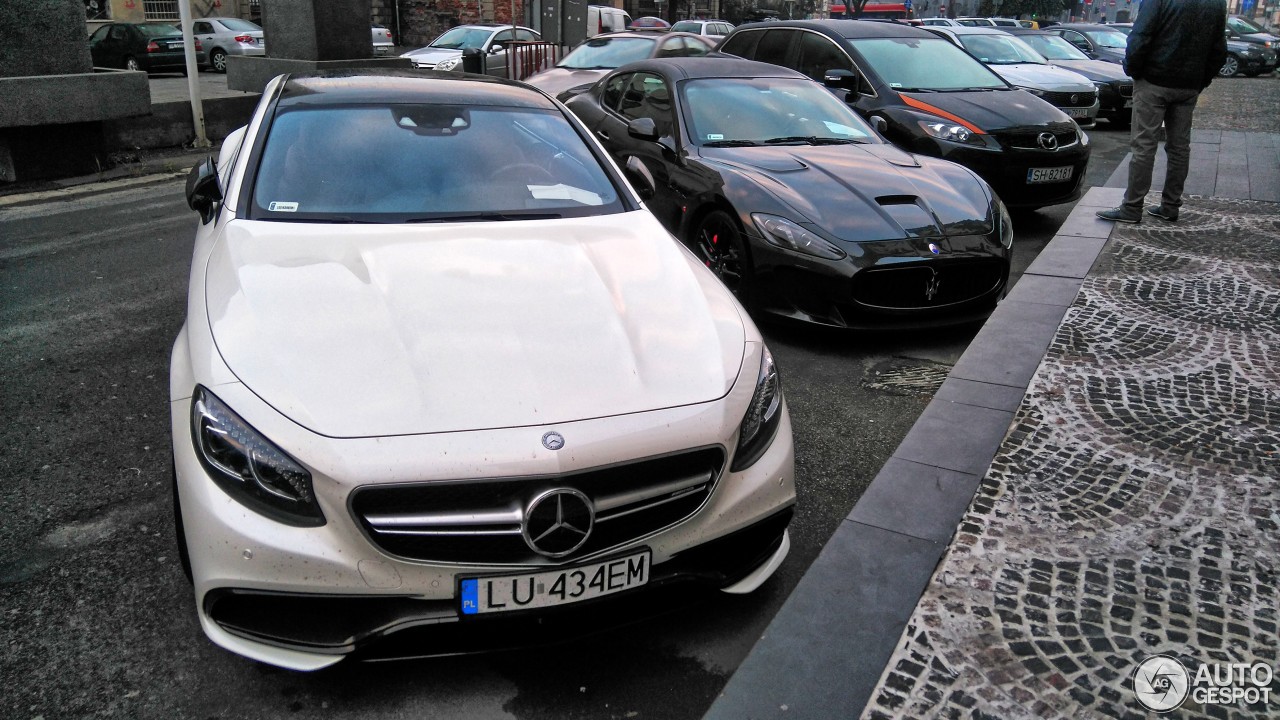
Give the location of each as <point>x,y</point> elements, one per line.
<point>1134,506</point>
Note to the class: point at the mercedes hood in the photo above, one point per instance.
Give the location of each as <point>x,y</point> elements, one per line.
<point>376,330</point>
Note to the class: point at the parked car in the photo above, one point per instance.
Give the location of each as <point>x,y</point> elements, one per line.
<point>445,52</point>
<point>975,22</point>
<point>382,42</point>
<point>1245,30</point>
<point>941,21</point>
<point>222,37</point>
<point>443,377</point>
<point>593,59</point>
<point>603,19</point>
<point>150,47</point>
<point>1115,88</point>
<point>1029,24</point>
<point>935,99</point>
<point>1099,42</point>
<point>1003,22</point>
<point>1248,58</point>
<point>713,30</point>
<point>1024,68</point>
<point>649,22</point>
<point>796,203</point>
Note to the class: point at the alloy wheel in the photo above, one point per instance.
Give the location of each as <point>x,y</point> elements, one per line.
<point>1230,67</point>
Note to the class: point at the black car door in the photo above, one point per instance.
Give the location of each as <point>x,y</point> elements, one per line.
<point>632,96</point>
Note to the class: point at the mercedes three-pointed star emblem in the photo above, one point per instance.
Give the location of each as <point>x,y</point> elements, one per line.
<point>557,522</point>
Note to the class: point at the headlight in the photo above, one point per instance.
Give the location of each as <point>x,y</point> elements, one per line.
<point>1006,224</point>
<point>248,467</point>
<point>781,232</point>
<point>764,414</point>
<point>449,64</point>
<point>954,133</point>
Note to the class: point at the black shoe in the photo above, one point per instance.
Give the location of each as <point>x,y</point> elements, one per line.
<point>1119,215</point>
<point>1162,213</point>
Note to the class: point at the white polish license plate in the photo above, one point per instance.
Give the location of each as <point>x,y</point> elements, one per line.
<point>504,593</point>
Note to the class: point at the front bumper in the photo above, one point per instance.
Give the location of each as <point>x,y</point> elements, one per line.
<point>892,285</point>
<point>283,595</point>
<point>1006,170</point>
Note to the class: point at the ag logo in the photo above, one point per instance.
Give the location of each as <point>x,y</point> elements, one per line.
<point>1161,683</point>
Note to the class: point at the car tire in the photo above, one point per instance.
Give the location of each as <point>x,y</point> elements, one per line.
<point>131,63</point>
<point>1230,67</point>
<point>184,557</point>
<point>720,244</point>
<point>218,61</point>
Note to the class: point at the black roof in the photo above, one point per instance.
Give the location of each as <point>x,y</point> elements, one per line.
<point>853,28</point>
<point>376,87</point>
<point>726,66</point>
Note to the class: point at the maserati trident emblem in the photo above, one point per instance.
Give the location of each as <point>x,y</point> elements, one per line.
<point>931,287</point>
<point>553,440</point>
<point>1047,141</point>
<point>557,522</point>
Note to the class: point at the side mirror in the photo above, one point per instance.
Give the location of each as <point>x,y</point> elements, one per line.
<point>203,193</point>
<point>643,129</point>
<point>640,177</point>
<point>497,48</point>
<point>880,124</point>
<point>840,79</point>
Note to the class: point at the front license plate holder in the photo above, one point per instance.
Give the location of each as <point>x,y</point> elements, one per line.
<point>1049,175</point>
<point>552,588</point>
<point>1078,113</point>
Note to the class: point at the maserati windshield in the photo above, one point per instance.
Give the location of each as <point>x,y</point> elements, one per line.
<point>755,111</point>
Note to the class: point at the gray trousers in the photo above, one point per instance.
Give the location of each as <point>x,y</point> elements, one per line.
<point>1154,105</point>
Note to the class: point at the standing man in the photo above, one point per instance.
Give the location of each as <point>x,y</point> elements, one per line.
<point>1175,50</point>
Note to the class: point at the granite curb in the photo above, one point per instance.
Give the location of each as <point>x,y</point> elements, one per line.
<point>824,652</point>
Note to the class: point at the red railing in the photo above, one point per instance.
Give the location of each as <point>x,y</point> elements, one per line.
<point>527,58</point>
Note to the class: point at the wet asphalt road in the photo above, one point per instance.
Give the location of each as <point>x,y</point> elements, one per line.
<point>96,619</point>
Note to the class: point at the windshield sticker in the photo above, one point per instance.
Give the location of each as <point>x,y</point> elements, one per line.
<point>895,85</point>
<point>283,207</point>
<point>715,136</point>
<point>841,129</point>
<point>565,192</point>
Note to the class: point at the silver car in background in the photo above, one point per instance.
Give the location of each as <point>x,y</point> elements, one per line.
<point>222,37</point>
<point>1015,61</point>
<point>445,52</point>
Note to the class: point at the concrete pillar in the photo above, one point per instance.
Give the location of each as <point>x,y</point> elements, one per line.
<point>43,37</point>
<point>318,29</point>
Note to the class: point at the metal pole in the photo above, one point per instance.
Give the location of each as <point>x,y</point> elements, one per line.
<point>193,74</point>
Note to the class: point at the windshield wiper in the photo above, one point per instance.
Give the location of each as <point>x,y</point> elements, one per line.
<point>969,89</point>
<point>486,217</point>
<point>809,139</point>
<point>730,143</point>
<point>915,90</point>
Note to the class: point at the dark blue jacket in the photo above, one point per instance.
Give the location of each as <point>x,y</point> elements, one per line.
<point>1178,43</point>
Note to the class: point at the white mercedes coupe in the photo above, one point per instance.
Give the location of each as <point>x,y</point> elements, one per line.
<point>444,382</point>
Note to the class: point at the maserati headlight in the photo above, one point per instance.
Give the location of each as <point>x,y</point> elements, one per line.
<point>952,132</point>
<point>764,414</point>
<point>449,64</point>
<point>781,232</point>
<point>1006,224</point>
<point>248,466</point>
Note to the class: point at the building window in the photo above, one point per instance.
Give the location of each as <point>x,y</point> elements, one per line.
<point>160,9</point>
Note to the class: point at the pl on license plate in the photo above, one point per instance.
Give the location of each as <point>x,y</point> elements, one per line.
<point>504,593</point>
<point>1048,175</point>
